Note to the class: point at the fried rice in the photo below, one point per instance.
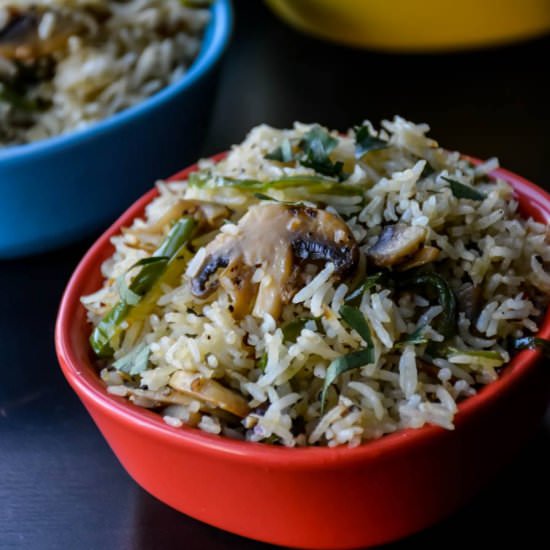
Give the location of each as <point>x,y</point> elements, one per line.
<point>65,64</point>
<point>327,289</point>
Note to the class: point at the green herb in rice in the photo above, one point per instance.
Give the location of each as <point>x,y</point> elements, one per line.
<point>463,191</point>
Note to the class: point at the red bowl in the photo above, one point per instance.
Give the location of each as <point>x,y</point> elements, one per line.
<point>309,497</point>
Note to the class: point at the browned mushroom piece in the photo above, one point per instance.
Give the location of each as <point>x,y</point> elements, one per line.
<point>210,392</point>
<point>184,388</point>
<point>153,399</point>
<point>396,244</point>
<point>279,239</point>
<point>424,256</point>
<point>208,215</point>
<point>20,39</point>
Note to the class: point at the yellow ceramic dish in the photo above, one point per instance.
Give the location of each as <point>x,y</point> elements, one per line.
<point>421,25</point>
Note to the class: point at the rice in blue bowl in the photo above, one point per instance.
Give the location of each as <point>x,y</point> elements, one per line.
<point>93,146</point>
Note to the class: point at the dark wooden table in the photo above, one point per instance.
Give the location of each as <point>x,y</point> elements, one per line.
<point>60,485</point>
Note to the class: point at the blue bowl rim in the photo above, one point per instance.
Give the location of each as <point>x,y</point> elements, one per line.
<point>215,41</point>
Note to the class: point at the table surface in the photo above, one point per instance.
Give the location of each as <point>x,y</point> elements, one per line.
<point>60,484</point>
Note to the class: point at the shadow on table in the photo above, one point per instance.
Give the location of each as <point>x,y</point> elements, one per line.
<point>158,527</point>
<point>496,517</point>
<point>32,290</point>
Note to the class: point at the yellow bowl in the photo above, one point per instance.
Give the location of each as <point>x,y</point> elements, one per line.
<point>409,25</point>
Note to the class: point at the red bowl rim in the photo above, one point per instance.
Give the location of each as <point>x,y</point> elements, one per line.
<point>93,393</point>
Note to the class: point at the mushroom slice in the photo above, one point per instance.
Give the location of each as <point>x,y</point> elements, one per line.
<point>236,278</point>
<point>156,398</point>
<point>424,256</point>
<point>209,215</point>
<point>396,243</point>
<point>210,392</point>
<point>279,239</point>
<point>150,399</point>
<point>20,38</point>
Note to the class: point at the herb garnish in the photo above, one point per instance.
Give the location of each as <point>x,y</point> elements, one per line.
<point>365,141</point>
<point>463,191</point>
<point>316,145</point>
<point>356,320</point>
<point>427,171</point>
<point>415,338</point>
<point>372,280</point>
<point>445,294</point>
<point>313,152</point>
<point>150,274</point>
<point>293,329</point>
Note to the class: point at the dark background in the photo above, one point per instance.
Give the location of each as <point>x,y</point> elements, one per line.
<point>61,486</point>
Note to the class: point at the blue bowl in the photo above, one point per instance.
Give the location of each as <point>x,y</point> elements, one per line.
<point>60,189</point>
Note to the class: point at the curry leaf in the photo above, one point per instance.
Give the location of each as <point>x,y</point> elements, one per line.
<point>327,167</point>
<point>415,338</point>
<point>356,320</point>
<point>316,145</point>
<point>427,171</point>
<point>445,294</point>
<point>372,280</point>
<point>462,191</point>
<point>352,360</point>
<point>314,150</point>
<point>294,328</point>
<point>365,141</point>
